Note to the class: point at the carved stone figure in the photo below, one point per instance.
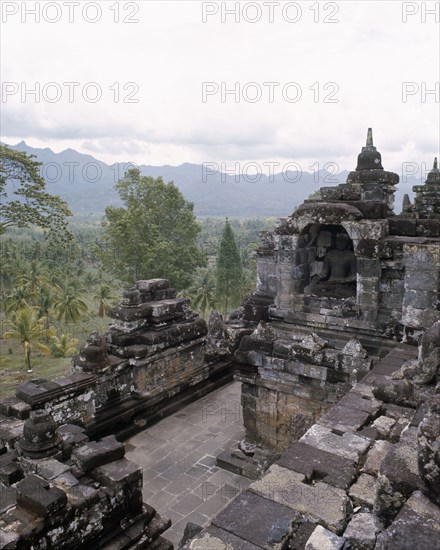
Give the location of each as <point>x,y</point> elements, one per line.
<point>337,278</point>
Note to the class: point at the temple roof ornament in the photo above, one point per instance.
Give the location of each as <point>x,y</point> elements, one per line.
<point>369,158</point>
<point>434,174</point>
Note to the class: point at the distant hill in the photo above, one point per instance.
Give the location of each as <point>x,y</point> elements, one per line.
<point>87,184</point>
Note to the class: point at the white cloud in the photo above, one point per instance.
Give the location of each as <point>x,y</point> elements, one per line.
<point>170,53</point>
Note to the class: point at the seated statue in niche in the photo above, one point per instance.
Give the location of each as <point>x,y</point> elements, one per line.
<point>337,278</point>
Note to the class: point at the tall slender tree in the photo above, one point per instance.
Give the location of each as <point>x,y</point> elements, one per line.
<point>229,270</point>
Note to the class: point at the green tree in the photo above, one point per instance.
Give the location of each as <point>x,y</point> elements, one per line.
<point>24,200</point>
<point>154,234</point>
<point>26,327</point>
<point>228,269</point>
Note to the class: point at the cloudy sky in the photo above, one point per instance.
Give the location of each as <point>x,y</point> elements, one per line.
<point>149,80</point>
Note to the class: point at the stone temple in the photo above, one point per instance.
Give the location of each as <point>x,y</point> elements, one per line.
<point>338,353</point>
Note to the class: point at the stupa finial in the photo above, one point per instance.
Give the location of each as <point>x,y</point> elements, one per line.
<point>369,158</point>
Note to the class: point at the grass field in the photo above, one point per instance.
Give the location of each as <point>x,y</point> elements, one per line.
<point>14,372</point>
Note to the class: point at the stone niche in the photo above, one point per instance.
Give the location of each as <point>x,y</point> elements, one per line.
<point>342,277</point>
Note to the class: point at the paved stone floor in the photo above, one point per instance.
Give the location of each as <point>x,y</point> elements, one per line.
<point>178,458</point>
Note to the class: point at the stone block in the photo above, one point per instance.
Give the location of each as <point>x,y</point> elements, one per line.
<point>124,479</point>
<point>12,406</point>
<point>82,496</point>
<point>402,226</point>
<point>421,279</point>
<point>428,228</point>
<point>214,538</point>
<point>168,309</point>
<point>363,492</point>
<point>152,285</point>
<point>36,495</point>
<point>322,502</point>
<point>398,477</point>
<point>416,526</point>
<point>347,445</point>
<point>375,456</point>
<point>94,454</point>
<point>50,468</point>
<point>9,540</point>
<point>346,419</point>
<point>361,532</point>
<point>383,425</point>
<point>323,539</point>
<point>357,400</point>
<point>8,498</point>
<point>419,318</point>
<point>256,519</point>
<point>318,464</point>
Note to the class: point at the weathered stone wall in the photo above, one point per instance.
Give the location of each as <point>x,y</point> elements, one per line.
<point>365,475</point>
<point>59,490</point>
<point>152,359</point>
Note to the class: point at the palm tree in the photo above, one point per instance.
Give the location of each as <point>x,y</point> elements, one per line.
<point>19,297</point>
<point>202,291</point>
<point>28,328</point>
<point>70,306</point>
<point>90,280</point>
<point>103,296</point>
<point>45,300</point>
<point>63,346</point>
<point>35,275</point>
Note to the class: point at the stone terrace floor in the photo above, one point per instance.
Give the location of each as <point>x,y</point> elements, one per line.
<point>178,459</point>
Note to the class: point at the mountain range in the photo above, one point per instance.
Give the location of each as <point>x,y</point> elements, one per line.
<point>87,185</point>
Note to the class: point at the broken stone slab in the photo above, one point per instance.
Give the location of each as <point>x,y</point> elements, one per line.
<point>361,402</point>
<point>152,285</point>
<point>348,445</point>
<point>12,406</point>
<point>323,539</point>
<point>255,519</point>
<point>124,479</point>
<point>375,456</point>
<point>344,418</point>
<point>8,498</point>
<point>50,468</point>
<point>214,538</point>
<point>82,496</point>
<point>361,532</point>
<point>168,309</point>
<point>8,540</point>
<point>94,454</point>
<point>322,502</point>
<point>363,492</point>
<point>429,449</point>
<point>65,481</point>
<point>383,425</point>
<point>35,494</point>
<point>398,477</point>
<point>71,436</point>
<point>416,526</point>
<point>318,464</point>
